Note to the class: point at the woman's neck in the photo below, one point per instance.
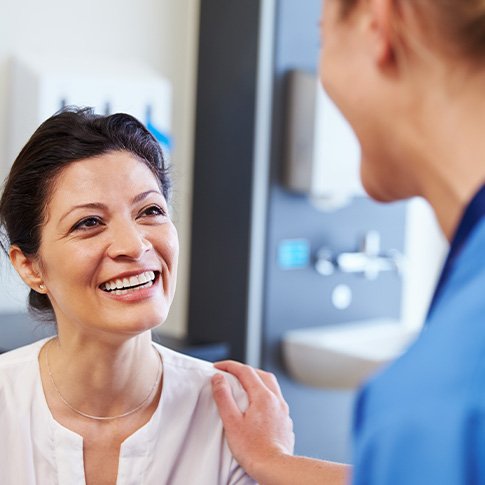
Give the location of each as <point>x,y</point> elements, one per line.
<point>100,378</point>
<point>448,154</point>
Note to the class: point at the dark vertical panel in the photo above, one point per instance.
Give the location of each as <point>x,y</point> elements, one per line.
<point>223,171</point>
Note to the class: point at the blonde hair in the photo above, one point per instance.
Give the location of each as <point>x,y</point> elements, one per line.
<point>459,24</point>
<point>462,22</point>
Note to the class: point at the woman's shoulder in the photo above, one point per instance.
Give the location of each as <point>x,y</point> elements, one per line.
<point>198,372</point>
<point>181,361</point>
<point>19,375</point>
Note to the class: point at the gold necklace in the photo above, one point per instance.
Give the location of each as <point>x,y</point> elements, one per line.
<point>102,418</point>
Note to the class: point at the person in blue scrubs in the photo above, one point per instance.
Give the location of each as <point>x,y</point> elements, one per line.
<point>409,76</point>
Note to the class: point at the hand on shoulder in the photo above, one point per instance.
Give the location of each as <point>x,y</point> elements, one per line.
<point>261,437</point>
<point>264,431</point>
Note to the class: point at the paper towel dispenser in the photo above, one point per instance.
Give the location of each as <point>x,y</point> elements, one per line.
<point>322,155</point>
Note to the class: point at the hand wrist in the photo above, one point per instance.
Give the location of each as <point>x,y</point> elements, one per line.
<point>265,466</point>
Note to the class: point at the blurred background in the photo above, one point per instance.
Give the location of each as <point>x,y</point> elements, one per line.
<point>285,263</point>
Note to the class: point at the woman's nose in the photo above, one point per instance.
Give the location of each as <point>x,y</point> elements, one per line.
<point>128,241</point>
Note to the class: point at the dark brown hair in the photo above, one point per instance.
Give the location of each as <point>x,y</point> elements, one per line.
<point>70,135</point>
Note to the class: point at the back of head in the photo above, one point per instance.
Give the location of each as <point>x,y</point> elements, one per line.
<point>71,135</point>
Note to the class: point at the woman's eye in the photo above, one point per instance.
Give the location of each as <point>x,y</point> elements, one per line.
<point>153,210</point>
<point>87,223</point>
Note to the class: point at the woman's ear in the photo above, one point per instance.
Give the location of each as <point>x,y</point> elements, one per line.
<point>28,269</point>
<point>382,26</point>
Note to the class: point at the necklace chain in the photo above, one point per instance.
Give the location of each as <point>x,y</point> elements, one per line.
<point>102,418</point>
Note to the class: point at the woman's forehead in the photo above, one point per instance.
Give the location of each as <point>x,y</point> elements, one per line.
<point>115,175</point>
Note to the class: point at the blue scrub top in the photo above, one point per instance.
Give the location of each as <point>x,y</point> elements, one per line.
<point>471,217</point>
<point>422,420</point>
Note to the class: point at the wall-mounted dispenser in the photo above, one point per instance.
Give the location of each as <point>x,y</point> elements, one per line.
<point>322,153</point>
<point>41,86</point>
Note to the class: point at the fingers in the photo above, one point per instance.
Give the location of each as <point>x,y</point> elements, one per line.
<point>228,409</point>
<point>271,382</point>
<point>251,379</point>
<point>247,376</point>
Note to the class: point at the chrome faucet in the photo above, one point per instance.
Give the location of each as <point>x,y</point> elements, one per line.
<point>368,261</point>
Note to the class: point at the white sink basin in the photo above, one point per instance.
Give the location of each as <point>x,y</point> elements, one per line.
<point>344,355</point>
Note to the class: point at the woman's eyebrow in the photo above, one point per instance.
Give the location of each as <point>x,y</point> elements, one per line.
<point>101,206</point>
<point>144,195</point>
<point>89,205</point>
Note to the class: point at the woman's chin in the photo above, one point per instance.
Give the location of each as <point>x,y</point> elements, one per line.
<point>135,323</point>
<point>378,189</point>
<point>376,194</point>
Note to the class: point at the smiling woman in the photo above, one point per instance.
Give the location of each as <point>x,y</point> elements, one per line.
<point>108,216</point>
<point>86,225</point>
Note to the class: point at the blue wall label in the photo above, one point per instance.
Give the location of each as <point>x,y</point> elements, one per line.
<point>293,253</point>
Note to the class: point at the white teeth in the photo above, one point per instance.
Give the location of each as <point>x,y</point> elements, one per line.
<point>133,290</point>
<point>123,286</point>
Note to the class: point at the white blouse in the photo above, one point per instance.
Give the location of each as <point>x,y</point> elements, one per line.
<point>182,444</point>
